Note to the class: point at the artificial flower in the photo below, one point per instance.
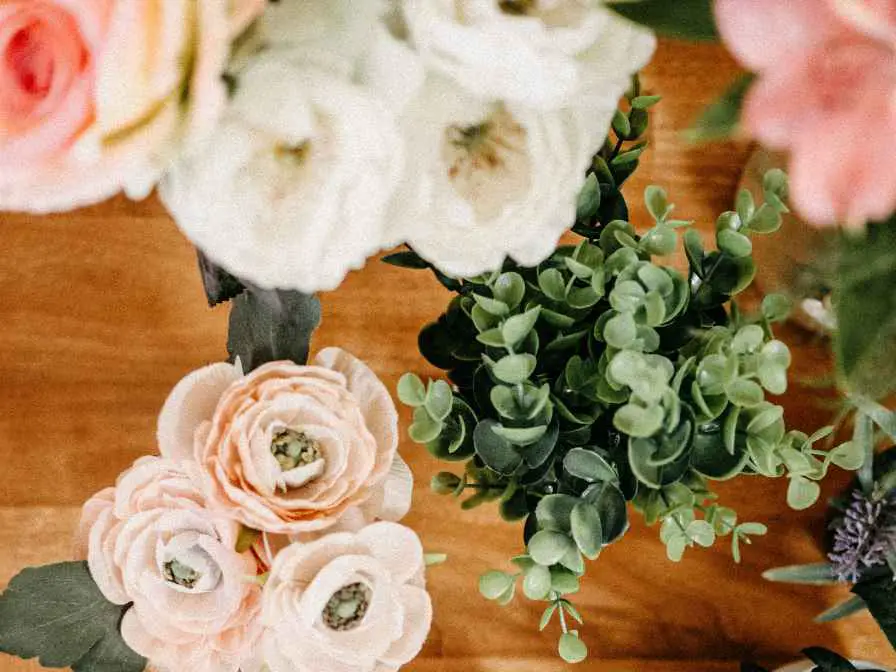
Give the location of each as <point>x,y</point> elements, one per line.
<point>291,449</point>
<point>97,96</point>
<point>346,603</point>
<point>292,189</point>
<point>152,542</point>
<point>827,79</point>
<point>539,54</point>
<point>488,179</point>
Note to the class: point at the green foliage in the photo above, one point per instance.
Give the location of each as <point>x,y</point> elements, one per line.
<point>683,19</point>
<point>271,325</point>
<point>57,614</point>
<point>865,305</point>
<point>219,285</point>
<point>721,120</point>
<point>604,377</point>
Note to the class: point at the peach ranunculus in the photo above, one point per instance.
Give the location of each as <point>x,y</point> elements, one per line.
<point>826,92</point>
<point>346,603</point>
<point>97,96</point>
<point>291,449</point>
<point>151,541</point>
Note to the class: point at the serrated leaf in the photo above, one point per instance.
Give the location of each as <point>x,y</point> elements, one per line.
<point>272,325</point>
<point>58,614</point>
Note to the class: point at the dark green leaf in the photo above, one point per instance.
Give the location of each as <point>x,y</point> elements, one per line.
<point>880,596</point>
<point>220,286</point>
<point>496,451</point>
<point>272,325</point>
<point>610,503</point>
<point>684,19</point>
<point>57,613</point>
<point>848,607</point>
<point>828,661</point>
<point>406,259</point>
<point>588,465</point>
<point>587,530</point>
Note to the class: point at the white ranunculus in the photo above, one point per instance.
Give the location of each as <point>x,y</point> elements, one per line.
<point>346,603</point>
<point>292,190</point>
<point>487,180</point>
<point>539,53</point>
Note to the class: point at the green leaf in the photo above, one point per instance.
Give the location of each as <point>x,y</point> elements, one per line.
<point>818,574</point>
<point>495,451</point>
<point>802,493</point>
<point>745,393</point>
<point>439,399</point>
<point>271,325</point>
<point>776,307</point>
<point>620,331</point>
<point>766,220</point>
<point>553,512</point>
<point>586,528</point>
<point>571,648</point>
<point>425,428</point>
<point>509,288</point>
<point>521,436</point>
<point>491,306</point>
<point>734,243</point>
<point>547,615</point>
<point>411,390</point>
<point>547,547</point>
<point>639,421</point>
<point>514,369</point>
<point>494,584</point>
<point>701,532</point>
<point>846,608</point>
<point>219,285</point>
<point>610,503</point>
<point>693,248</point>
<point>406,259</point>
<point>849,455</point>
<point>589,466</point>
<point>517,327</point>
<point>880,596</point>
<point>880,415</point>
<point>553,285</point>
<point>589,199</point>
<point>564,581</point>
<point>683,19</point>
<point>866,311</point>
<point>537,582</point>
<point>621,124</point>
<point>645,102</point>
<point>58,614</point>
<point>721,120</point>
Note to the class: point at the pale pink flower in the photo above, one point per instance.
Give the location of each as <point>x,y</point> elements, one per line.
<point>151,541</point>
<point>826,92</point>
<point>291,449</point>
<point>97,96</point>
<point>346,603</point>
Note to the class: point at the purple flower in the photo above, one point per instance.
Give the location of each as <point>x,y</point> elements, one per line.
<point>864,536</point>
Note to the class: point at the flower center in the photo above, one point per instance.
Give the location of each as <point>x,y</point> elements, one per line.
<point>488,162</point>
<point>517,7</point>
<point>180,574</point>
<point>347,607</point>
<point>293,449</point>
<point>295,154</point>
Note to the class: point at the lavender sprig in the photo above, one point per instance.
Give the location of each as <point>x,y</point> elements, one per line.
<point>864,536</point>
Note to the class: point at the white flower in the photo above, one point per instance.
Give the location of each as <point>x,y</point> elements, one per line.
<point>346,603</point>
<point>486,179</point>
<point>540,53</point>
<point>292,190</point>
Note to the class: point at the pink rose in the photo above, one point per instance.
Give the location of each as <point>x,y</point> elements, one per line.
<point>346,603</point>
<point>291,449</point>
<point>98,95</point>
<point>150,540</point>
<point>826,92</point>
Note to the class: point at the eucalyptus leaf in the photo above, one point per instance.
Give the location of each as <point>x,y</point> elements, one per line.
<point>587,530</point>
<point>514,369</point>
<point>571,648</point>
<point>547,547</point>
<point>537,582</point>
<point>589,466</point>
<point>495,451</point>
<point>411,390</point>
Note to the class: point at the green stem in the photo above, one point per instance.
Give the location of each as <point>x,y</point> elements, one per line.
<point>863,434</point>
<point>556,599</point>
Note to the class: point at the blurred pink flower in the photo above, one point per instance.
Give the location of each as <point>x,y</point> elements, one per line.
<point>92,93</point>
<point>827,93</point>
<point>151,541</point>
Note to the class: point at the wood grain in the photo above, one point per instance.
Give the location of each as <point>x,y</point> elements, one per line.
<point>103,313</point>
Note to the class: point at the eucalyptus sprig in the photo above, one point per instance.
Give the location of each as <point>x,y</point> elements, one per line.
<point>603,377</point>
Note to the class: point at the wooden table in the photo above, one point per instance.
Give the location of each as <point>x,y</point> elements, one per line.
<point>103,313</point>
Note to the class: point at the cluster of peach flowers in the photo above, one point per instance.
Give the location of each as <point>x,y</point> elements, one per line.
<point>265,536</point>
